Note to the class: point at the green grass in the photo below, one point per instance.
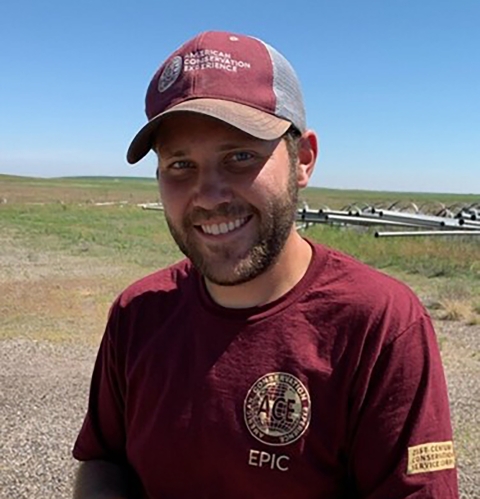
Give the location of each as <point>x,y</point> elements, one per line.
<point>122,232</point>
<point>430,257</point>
<point>140,236</point>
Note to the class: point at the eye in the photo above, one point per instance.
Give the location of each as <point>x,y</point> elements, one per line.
<point>176,170</point>
<point>241,156</point>
<point>180,165</point>
<point>241,159</point>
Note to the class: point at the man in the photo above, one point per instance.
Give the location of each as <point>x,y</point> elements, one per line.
<point>263,365</point>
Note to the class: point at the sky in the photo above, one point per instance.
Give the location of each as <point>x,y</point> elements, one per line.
<point>392,87</point>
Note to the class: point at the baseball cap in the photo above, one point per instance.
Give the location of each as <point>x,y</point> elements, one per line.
<point>235,78</point>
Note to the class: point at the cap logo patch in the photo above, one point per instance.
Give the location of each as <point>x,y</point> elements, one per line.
<point>277,409</point>
<point>170,73</point>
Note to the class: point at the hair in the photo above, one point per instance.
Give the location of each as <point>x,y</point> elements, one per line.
<point>292,138</point>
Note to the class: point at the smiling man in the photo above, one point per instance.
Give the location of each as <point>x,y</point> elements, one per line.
<point>263,365</point>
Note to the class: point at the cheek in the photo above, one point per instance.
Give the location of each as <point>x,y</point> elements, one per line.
<point>173,199</point>
<point>274,180</point>
<point>277,171</point>
<point>264,191</point>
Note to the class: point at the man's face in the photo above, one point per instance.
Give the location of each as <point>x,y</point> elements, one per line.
<point>230,199</point>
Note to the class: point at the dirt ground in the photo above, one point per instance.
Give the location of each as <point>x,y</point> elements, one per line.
<point>52,312</point>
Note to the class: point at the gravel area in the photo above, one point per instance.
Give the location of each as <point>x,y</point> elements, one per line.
<point>44,389</point>
<point>44,381</point>
<point>43,395</point>
<point>461,356</point>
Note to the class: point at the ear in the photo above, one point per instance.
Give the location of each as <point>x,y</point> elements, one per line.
<point>307,155</point>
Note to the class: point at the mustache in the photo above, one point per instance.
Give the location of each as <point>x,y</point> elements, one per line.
<point>199,215</point>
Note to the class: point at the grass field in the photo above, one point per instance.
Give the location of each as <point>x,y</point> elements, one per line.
<point>61,214</point>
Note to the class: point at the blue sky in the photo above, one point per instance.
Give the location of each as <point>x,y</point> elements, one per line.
<point>391,86</point>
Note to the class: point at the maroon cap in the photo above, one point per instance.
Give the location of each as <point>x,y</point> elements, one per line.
<point>235,78</point>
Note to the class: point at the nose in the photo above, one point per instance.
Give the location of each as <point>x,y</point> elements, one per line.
<point>212,189</point>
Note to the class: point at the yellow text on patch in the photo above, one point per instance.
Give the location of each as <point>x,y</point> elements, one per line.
<point>434,456</point>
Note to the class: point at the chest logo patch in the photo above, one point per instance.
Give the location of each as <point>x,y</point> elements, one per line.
<point>277,409</point>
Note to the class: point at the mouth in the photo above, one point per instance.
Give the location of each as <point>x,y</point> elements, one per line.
<point>222,228</point>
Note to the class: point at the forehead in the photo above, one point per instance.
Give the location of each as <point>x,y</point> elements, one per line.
<point>186,128</point>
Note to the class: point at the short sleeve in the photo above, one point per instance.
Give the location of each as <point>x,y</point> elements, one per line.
<point>401,435</point>
<point>103,434</point>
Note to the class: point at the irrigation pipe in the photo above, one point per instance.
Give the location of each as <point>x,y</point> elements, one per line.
<point>429,233</point>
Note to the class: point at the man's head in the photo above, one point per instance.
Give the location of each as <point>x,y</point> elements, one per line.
<point>227,122</point>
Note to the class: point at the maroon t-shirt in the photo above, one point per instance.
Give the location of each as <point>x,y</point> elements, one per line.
<point>333,391</point>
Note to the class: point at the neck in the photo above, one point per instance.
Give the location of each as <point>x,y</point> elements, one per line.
<point>287,271</point>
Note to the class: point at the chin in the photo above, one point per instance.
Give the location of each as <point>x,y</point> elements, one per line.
<point>233,276</point>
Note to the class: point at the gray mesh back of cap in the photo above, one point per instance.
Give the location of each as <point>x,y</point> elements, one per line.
<point>286,87</point>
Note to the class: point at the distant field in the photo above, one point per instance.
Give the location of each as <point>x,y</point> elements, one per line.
<point>77,189</point>
<point>135,189</point>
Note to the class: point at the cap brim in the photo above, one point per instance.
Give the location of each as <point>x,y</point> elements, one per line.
<point>257,123</point>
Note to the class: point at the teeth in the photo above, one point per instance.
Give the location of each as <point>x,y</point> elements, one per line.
<point>223,228</point>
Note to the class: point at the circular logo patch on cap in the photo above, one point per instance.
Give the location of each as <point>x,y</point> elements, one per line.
<point>170,73</point>
<point>277,409</point>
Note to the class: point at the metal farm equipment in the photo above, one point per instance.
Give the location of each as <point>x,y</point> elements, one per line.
<point>405,219</point>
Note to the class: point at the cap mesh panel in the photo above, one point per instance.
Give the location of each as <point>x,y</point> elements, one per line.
<point>286,87</point>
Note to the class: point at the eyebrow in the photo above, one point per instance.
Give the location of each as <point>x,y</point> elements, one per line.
<point>236,145</point>
<point>180,153</point>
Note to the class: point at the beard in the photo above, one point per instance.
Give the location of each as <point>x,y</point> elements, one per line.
<point>224,265</point>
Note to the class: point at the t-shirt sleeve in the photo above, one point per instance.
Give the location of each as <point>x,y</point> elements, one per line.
<point>102,435</point>
<point>401,434</point>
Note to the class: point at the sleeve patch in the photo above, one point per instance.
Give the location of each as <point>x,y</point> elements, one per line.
<point>434,456</point>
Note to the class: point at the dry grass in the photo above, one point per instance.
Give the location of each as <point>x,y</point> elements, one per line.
<point>454,310</point>
<point>474,320</point>
<point>49,295</point>
<point>454,300</point>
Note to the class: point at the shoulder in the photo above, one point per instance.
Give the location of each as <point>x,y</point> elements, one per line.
<point>356,293</point>
<point>140,312</point>
<point>165,282</point>
<point>353,279</point>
